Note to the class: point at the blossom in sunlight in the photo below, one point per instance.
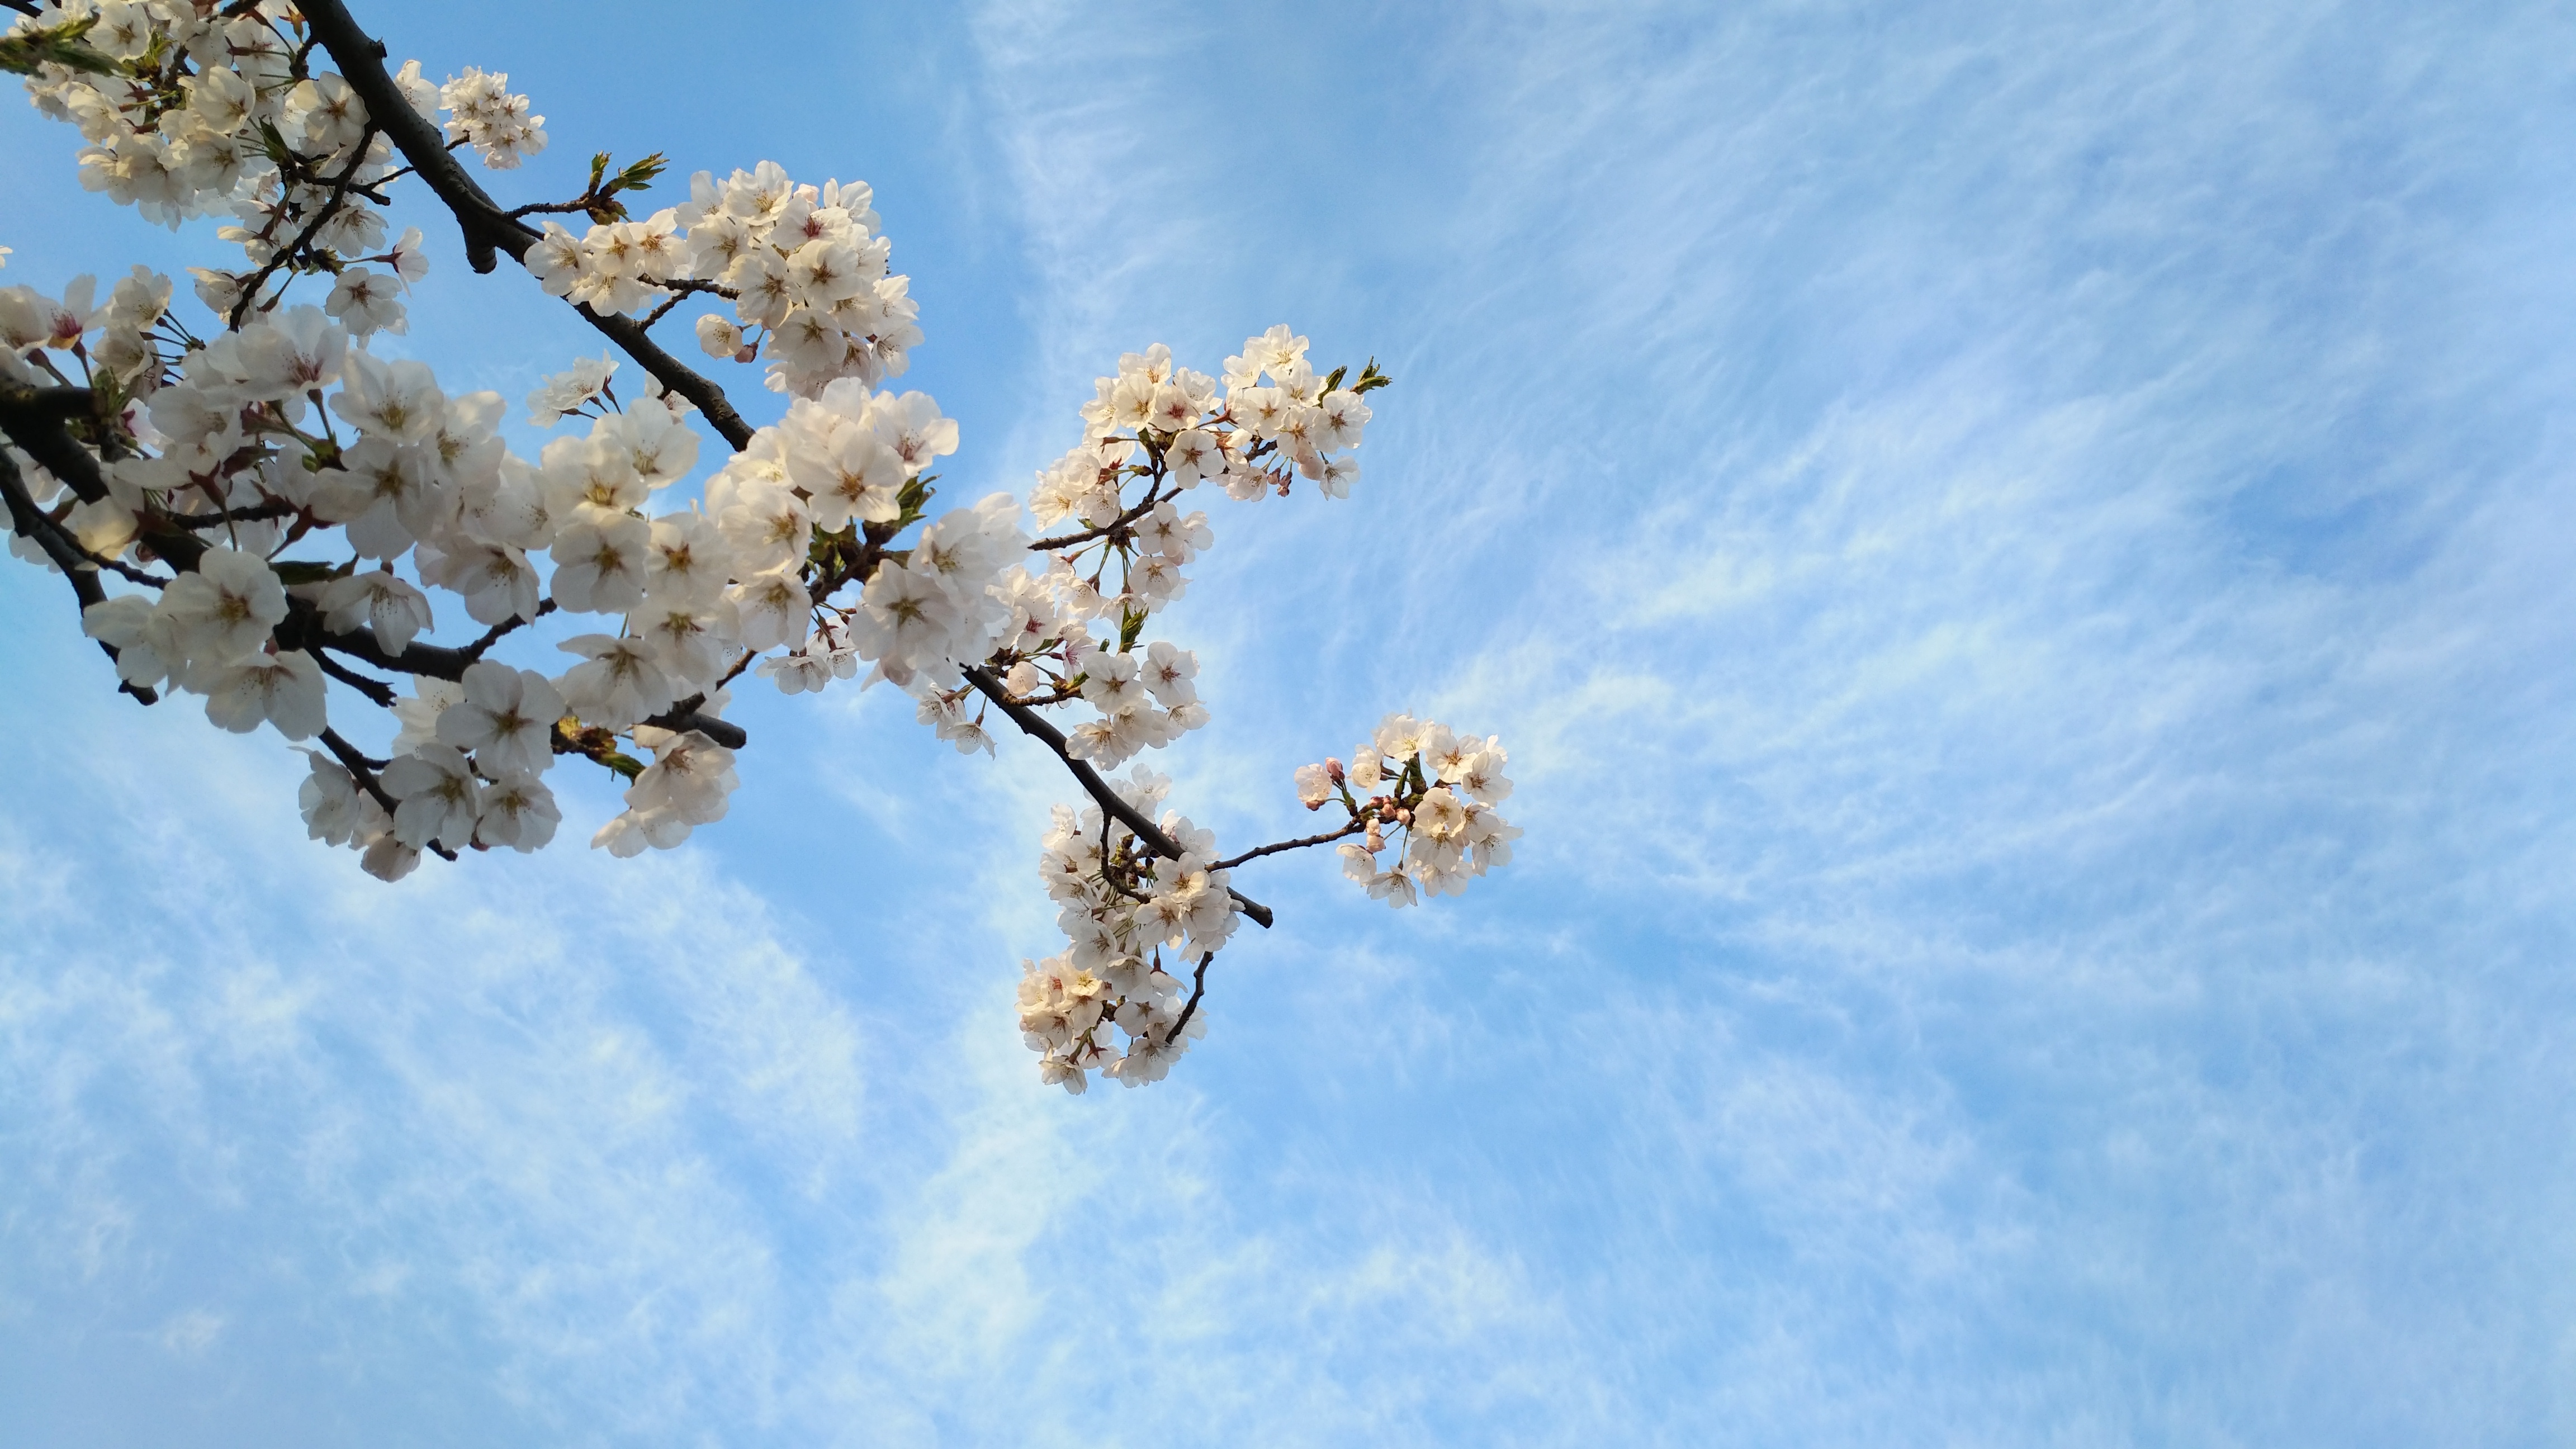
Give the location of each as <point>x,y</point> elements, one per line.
<point>265,508</point>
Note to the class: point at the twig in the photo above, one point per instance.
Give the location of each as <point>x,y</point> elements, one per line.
<point>1198,988</point>
<point>248,513</point>
<point>378,693</point>
<point>1354,828</point>
<point>1123,520</point>
<point>31,521</point>
<point>684,717</point>
<point>322,215</point>
<point>358,766</point>
<point>474,651</point>
<point>33,419</point>
<point>682,287</point>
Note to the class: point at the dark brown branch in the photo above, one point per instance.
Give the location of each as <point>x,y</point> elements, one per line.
<point>1035,726</point>
<point>553,208</point>
<point>363,770</point>
<point>681,289</point>
<point>31,521</point>
<point>322,215</point>
<point>684,717</point>
<point>46,440</point>
<point>59,403</point>
<point>494,635</point>
<point>1198,988</point>
<point>247,513</point>
<point>378,693</point>
<point>1354,828</point>
<point>1124,520</point>
<point>33,419</point>
<point>303,628</point>
<point>489,229</point>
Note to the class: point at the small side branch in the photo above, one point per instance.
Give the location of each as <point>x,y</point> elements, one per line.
<point>285,256</point>
<point>363,770</point>
<point>1034,725</point>
<point>1327,838</point>
<point>378,693</point>
<point>682,288</point>
<point>1198,988</point>
<point>26,518</point>
<point>33,419</point>
<point>1127,519</point>
<point>497,632</point>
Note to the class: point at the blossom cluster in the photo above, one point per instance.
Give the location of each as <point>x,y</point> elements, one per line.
<point>292,520</point>
<point>1435,787</point>
<point>484,115</point>
<point>802,264</point>
<point>1152,433</point>
<point>1121,906</point>
<point>217,110</point>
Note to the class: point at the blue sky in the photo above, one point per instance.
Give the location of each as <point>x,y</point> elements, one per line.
<point>2022,555</point>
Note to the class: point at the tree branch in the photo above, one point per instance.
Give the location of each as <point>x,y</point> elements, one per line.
<point>1198,988</point>
<point>488,228</point>
<point>495,634</point>
<point>1354,828</point>
<point>1124,520</point>
<point>33,419</point>
<point>27,519</point>
<point>680,721</point>
<point>358,766</point>
<point>682,288</point>
<point>330,207</point>
<point>1035,726</point>
<point>378,693</point>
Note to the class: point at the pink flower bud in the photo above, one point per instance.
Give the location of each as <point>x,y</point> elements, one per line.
<point>1333,769</point>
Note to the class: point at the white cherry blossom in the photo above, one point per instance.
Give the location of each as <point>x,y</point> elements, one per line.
<point>256,454</point>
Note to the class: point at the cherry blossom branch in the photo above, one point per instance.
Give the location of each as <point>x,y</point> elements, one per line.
<point>46,441</point>
<point>51,528</point>
<point>488,228</point>
<point>303,629</point>
<point>1035,726</point>
<point>56,402</point>
<point>680,721</point>
<point>1354,828</point>
<point>27,415</point>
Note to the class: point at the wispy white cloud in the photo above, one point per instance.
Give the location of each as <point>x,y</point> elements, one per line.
<point>2020,554</point>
